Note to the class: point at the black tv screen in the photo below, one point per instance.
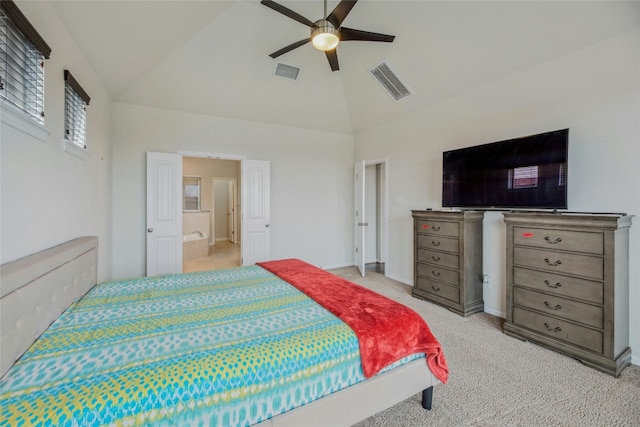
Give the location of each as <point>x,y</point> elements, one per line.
<point>526,172</point>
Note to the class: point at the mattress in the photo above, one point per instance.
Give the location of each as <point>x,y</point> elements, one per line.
<point>231,347</point>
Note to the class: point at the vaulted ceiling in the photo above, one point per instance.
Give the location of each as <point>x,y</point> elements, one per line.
<point>211,57</point>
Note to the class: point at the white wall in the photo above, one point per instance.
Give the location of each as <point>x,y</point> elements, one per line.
<point>49,196</point>
<point>311,180</point>
<point>594,91</point>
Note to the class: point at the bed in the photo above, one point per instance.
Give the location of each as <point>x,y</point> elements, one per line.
<point>143,351</point>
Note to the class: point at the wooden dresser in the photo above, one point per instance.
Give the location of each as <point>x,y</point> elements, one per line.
<point>568,285</point>
<point>448,259</point>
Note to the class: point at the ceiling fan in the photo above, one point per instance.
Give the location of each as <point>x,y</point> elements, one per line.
<point>327,33</point>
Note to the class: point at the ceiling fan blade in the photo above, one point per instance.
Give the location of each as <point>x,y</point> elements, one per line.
<point>288,12</point>
<point>332,56</point>
<point>347,34</point>
<point>289,48</point>
<point>340,12</point>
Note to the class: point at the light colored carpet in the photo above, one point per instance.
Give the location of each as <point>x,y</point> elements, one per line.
<point>496,380</point>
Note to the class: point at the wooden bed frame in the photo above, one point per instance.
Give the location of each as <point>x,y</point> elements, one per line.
<point>36,289</point>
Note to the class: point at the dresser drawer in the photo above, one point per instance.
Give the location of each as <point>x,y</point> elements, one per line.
<point>451,293</point>
<point>438,258</point>
<point>438,243</point>
<point>590,315</point>
<point>438,228</point>
<point>567,286</point>
<point>436,273</point>
<point>581,265</point>
<point>559,329</point>
<point>578,241</point>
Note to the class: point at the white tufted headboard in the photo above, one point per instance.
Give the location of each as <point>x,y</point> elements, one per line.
<point>36,289</point>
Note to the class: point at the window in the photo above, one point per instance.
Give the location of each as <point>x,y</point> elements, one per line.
<point>22,55</point>
<point>75,111</point>
<point>191,193</point>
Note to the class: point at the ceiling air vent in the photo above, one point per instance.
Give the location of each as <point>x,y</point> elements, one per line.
<point>286,71</point>
<point>390,81</point>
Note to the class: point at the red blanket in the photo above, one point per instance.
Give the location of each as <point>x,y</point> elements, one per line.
<point>387,331</point>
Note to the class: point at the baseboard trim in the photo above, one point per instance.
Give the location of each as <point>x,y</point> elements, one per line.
<point>495,312</point>
<point>400,279</point>
<point>331,267</point>
<point>635,360</point>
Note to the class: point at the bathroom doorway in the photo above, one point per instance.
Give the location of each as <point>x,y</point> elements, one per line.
<point>222,210</point>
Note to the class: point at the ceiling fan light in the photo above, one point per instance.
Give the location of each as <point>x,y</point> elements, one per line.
<point>324,36</point>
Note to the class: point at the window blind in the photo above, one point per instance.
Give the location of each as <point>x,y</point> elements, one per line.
<point>22,24</point>
<point>75,111</point>
<point>22,54</point>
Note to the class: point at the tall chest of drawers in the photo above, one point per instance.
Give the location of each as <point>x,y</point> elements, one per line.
<point>568,285</point>
<point>448,259</point>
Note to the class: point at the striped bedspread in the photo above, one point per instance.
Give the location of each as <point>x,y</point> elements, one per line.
<point>231,347</point>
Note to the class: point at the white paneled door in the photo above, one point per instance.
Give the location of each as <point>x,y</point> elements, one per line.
<point>164,213</point>
<point>360,223</point>
<point>256,227</point>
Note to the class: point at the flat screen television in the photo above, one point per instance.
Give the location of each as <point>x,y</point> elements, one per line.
<point>526,172</point>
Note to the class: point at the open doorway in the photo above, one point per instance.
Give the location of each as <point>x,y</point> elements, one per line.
<point>371,213</point>
<point>375,208</point>
<point>211,214</point>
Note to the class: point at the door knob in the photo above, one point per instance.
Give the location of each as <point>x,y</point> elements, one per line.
<point>150,230</point>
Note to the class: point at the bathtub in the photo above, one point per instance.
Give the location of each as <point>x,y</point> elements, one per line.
<point>194,245</point>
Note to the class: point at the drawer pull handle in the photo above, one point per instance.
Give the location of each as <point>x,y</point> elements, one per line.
<point>435,289</point>
<point>555,307</point>
<point>549,328</point>
<point>435,273</point>
<point>435,258</point>
<point>554,286</point>
<point>435,243</point>
<point>436,228</point>
<point>553,242</point>
<point>552,264</point>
